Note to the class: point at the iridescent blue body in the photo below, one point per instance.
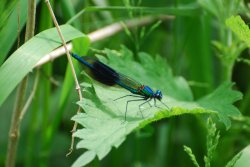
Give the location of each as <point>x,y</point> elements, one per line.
<point>109,76</point>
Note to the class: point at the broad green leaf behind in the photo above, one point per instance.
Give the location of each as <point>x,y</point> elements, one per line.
<point>103,120</point>
<point>23,60</point>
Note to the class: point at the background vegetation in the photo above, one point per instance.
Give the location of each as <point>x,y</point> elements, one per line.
<point>196,39</point>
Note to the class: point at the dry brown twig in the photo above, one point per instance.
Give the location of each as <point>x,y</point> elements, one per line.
<point>78,89</point>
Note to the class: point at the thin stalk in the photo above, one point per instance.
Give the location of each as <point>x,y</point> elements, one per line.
<point>31,138</point>
<point>14,127</point>
<point>78,89</point>
<point>18,24</point>
<point>18,110</point>
<point>104,33</point>
<point>230,64</point>
<point>233,58</point>
<point>245,105</point>
<point>228,72</point>
<point>29,100</point>
<point>31,96</point>
<point>30,27</point>
<point>11,154</point>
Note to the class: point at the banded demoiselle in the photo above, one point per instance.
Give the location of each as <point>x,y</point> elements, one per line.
<point>106,75</point>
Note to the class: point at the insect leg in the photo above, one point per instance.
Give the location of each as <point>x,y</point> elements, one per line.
<point>165,105</point>
<point>129,102</point>
<point>161,103</point>
<point>127,96</point>
<point>147,101</point>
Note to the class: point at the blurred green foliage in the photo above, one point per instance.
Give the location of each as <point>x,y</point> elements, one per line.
<point>196,43</point>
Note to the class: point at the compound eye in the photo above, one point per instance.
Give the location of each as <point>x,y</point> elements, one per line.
<point>158,94</point>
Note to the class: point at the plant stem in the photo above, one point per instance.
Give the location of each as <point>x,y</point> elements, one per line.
<point>104,33</point>
<point>78,89</point>
<point>29,100</point>
<point>229,69</point>
<point>16,121</point>
<point>14,128</point>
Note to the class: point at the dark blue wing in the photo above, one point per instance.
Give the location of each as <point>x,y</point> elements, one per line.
<point>107,75</point>
<point>98,70</point>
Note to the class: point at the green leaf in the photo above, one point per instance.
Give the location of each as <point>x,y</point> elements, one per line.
<point>82,48</point>
<point>23,60</point>
<point>84,159</point>
<point>242,158</point>
<point>154,72</point>
<point>233,161</point>
<point>6,8</point>
<point>221,101</point>
<point>239,27</point>
<point>103,120</point>
<point>8,31</point>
